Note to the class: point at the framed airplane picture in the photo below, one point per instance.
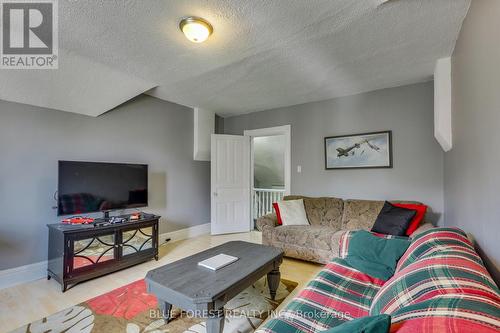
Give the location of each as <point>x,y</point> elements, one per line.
<point>359,151</point>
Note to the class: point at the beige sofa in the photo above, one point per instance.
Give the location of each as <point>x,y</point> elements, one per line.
<point>328,217</point>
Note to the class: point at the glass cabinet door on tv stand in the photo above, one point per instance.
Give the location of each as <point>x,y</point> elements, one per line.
<point>93,251</point>
<point>79,253</point>
<point>134,241</point>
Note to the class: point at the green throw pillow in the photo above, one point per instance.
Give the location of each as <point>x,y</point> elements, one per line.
<point>375,256</point>
<point>373,324</point>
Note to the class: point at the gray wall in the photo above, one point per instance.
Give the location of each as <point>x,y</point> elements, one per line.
<point>472,176</point>
<point>407,111</point>
<point>144,130</point>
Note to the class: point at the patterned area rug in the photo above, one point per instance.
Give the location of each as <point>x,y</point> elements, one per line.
<point>130,309</point>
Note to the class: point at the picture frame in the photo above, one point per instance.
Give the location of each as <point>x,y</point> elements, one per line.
<point>371,150</point>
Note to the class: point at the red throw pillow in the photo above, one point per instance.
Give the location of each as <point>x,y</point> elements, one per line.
<point>421,209</point>
<point>277,210</point>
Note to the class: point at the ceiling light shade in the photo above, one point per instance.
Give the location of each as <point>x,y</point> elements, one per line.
<point>196,29</point>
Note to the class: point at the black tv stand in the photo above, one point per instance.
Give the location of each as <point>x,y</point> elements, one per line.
<point>81,252</point>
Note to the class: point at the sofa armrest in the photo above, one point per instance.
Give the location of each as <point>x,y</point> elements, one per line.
<point>423,227</point>
<point>338,238</point>
<point>269,220</point>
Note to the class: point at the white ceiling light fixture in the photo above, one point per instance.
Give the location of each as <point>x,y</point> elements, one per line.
<point>196,29</point>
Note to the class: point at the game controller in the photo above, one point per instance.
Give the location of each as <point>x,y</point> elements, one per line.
<point>116,219</point>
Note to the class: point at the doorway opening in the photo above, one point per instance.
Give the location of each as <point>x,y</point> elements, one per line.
<point>269,169</point>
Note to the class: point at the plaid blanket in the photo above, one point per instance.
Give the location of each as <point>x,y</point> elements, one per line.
<point>435,240</point>
<point>448,313</point>
<point>441,285</point>
<point>337,294</point>
<point>441,282</point>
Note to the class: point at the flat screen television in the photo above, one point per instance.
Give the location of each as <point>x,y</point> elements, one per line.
<point>86,187</point>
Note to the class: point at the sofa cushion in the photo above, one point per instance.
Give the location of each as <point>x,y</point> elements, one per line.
<point>360,214</point>
<point>291,212</point>
<point>319,244</point>
<point>393,220</point>
<point>346,236</point>
<point>315,237</point>
<point>446,272</point>
<point>374,255</point>
<point>419,217</point>
<point>337,294</point>
<point>326,211</point>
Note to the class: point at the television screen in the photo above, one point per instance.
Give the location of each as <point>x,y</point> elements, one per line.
<point>86,187</point>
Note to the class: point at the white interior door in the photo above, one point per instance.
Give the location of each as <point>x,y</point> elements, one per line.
<point>230,169</point>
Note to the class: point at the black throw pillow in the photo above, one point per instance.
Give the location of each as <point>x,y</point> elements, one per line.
<point>393,220</point>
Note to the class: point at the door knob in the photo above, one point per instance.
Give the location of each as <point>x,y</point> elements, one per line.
<point>215,194</point>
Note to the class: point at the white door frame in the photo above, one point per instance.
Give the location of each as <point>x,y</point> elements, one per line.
<point>285,130</point>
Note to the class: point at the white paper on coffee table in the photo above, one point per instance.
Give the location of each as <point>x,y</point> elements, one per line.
<point>216,262</point>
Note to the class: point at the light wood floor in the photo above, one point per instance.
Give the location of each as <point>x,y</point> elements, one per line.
<point>31,301</point>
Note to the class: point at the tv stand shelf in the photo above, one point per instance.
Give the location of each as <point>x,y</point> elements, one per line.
<point>81,252</point>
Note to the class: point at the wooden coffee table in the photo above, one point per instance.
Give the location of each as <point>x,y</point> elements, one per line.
<point>203,292</point>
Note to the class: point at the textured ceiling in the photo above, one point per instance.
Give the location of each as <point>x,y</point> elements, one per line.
<point>80,85</point>
<point>263,53</point>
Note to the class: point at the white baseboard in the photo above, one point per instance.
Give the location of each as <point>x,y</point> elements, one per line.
<point>22,274</point>
<point>197,230</point>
